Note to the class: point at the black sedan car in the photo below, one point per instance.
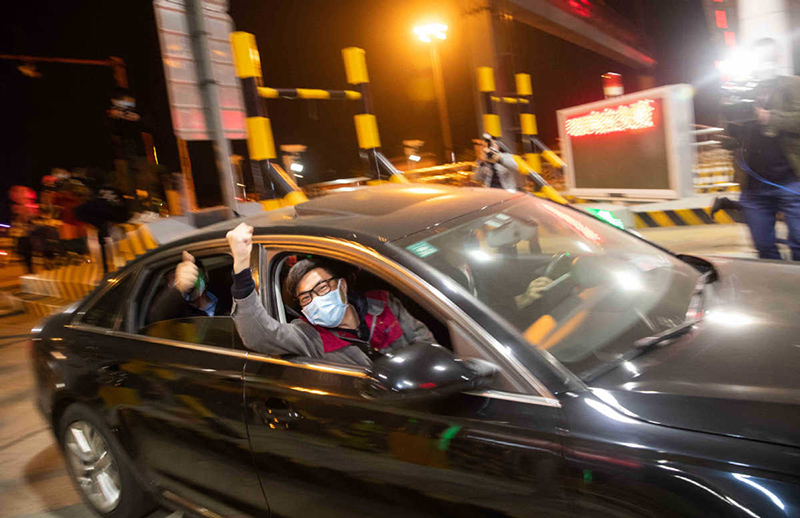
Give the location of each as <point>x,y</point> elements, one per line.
<point>578,370</point>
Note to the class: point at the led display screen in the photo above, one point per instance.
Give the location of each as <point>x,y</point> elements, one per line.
<point>620,146</point>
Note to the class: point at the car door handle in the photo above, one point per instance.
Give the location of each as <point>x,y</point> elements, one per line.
<point>110,374</point>
<point>275,411</point>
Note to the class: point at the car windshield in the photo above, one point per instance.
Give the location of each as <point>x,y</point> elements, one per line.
<point>571,284</point>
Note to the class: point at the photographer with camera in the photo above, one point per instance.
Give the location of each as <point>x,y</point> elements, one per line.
<point>764,117</point>
<point>496,167</point>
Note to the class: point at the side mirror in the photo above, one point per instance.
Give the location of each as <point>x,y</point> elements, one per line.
<point>424,371</point>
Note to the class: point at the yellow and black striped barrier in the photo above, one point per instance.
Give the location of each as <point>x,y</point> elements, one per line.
<point>685,217</point>
<point>260,142</point>
<point>509,100</point>
<point>491,121</point>
<point>308,93</point>
<point>527,122</point>
<point>47,292</point>
<point>530,166</point>
<point>369,141</point>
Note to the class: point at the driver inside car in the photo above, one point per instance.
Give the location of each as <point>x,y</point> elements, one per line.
<point>337,324</point>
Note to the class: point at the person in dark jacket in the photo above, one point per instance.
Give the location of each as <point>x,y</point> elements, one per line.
<point>771,156</point>
<point>337,324</point>
<point>186,294</point>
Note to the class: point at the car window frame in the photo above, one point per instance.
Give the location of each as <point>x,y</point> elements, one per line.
<point>198,249</point>
<point>146,287</point>
<point>110,281</point>
<point>428,297</point>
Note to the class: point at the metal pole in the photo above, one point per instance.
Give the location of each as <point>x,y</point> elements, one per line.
<point>444,119</point>
<point>208,89</point>
<point>369,142</point>
<point>491,121</point>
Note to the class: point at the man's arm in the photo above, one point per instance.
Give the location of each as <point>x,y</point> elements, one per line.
<point>507,161</point>
<point>171,302</point>
<point>413,330</point>
<point>260,332</point>
<point>788,118</point>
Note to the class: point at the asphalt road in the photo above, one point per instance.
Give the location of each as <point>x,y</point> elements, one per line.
<point>33,479</point>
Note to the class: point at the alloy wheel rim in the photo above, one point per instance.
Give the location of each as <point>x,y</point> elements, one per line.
<point>93,465</point>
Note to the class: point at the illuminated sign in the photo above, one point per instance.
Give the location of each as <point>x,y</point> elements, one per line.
<point>626,117</point>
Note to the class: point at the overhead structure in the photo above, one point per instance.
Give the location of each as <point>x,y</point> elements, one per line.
<point>587,23</point>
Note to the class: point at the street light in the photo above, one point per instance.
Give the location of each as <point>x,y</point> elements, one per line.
<point>432,34</point>
<point>426,33</point>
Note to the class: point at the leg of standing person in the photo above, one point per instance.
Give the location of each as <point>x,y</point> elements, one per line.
<point>790,206</point>
<point>26,251</point>
<point>102,234</point>
<point>760,208</point>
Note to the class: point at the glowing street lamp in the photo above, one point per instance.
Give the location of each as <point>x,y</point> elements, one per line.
<point>426,33</point>
<point>432,33</point>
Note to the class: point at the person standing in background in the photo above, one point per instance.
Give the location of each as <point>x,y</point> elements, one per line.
<point>770,155</point>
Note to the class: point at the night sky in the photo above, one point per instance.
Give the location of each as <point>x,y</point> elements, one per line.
<point>59,120</point>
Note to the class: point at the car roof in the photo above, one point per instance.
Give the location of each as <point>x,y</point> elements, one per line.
<point>389,211</point>
<point>375,214</point>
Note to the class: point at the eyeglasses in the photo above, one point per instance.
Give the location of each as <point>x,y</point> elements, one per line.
<point>321,288</point>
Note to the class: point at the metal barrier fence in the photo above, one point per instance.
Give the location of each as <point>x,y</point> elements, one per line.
<point>713,167</point>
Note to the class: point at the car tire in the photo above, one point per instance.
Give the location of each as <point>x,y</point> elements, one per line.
<point>99,468</point>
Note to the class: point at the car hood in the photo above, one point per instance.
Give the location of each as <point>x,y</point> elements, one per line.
<point>737,373</point>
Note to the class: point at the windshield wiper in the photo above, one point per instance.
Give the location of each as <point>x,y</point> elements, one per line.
<point>641,346</point>
<point>667,334</point>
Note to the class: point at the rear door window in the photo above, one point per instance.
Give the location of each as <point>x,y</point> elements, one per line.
<point>201,317</point>
<point>106,310</point>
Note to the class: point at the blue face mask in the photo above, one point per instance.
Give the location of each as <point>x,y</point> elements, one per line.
<point>327,310</point>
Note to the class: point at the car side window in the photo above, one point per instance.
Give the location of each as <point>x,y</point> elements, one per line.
<point>361,281</point>
<point>201,316</point>
<point>445,332</point>
<point>105,310</point>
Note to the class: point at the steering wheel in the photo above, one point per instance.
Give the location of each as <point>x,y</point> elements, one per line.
<point>557,266</point>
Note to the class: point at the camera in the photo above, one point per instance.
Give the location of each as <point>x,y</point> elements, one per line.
<point>738,102</point>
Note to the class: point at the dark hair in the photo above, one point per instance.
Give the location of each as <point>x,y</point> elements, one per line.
<point>302,267</point>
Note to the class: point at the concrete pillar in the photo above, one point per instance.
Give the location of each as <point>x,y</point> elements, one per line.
<point>768,19</point>
<point>487,47</point>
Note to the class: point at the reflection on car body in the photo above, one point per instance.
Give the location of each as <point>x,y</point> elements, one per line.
<point>553,416</point>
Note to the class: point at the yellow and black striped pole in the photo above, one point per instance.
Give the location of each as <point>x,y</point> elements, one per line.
<point>491,121</point>
<point>260,142</point>
<point>308,93</point>
<point>355,68</point>
<point>527,121</point>
<point>491,124</point>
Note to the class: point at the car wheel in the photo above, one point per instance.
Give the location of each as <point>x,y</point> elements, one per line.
<point>99,468</point>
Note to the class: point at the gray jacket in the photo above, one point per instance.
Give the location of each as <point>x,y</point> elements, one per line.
<point>260,332</point>
<point>507,171</point>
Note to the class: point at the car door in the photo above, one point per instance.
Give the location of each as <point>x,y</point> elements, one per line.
<point>174,389</point>
<point>323,450</point>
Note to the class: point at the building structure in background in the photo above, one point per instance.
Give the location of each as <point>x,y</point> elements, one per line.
<point>503,41</point>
